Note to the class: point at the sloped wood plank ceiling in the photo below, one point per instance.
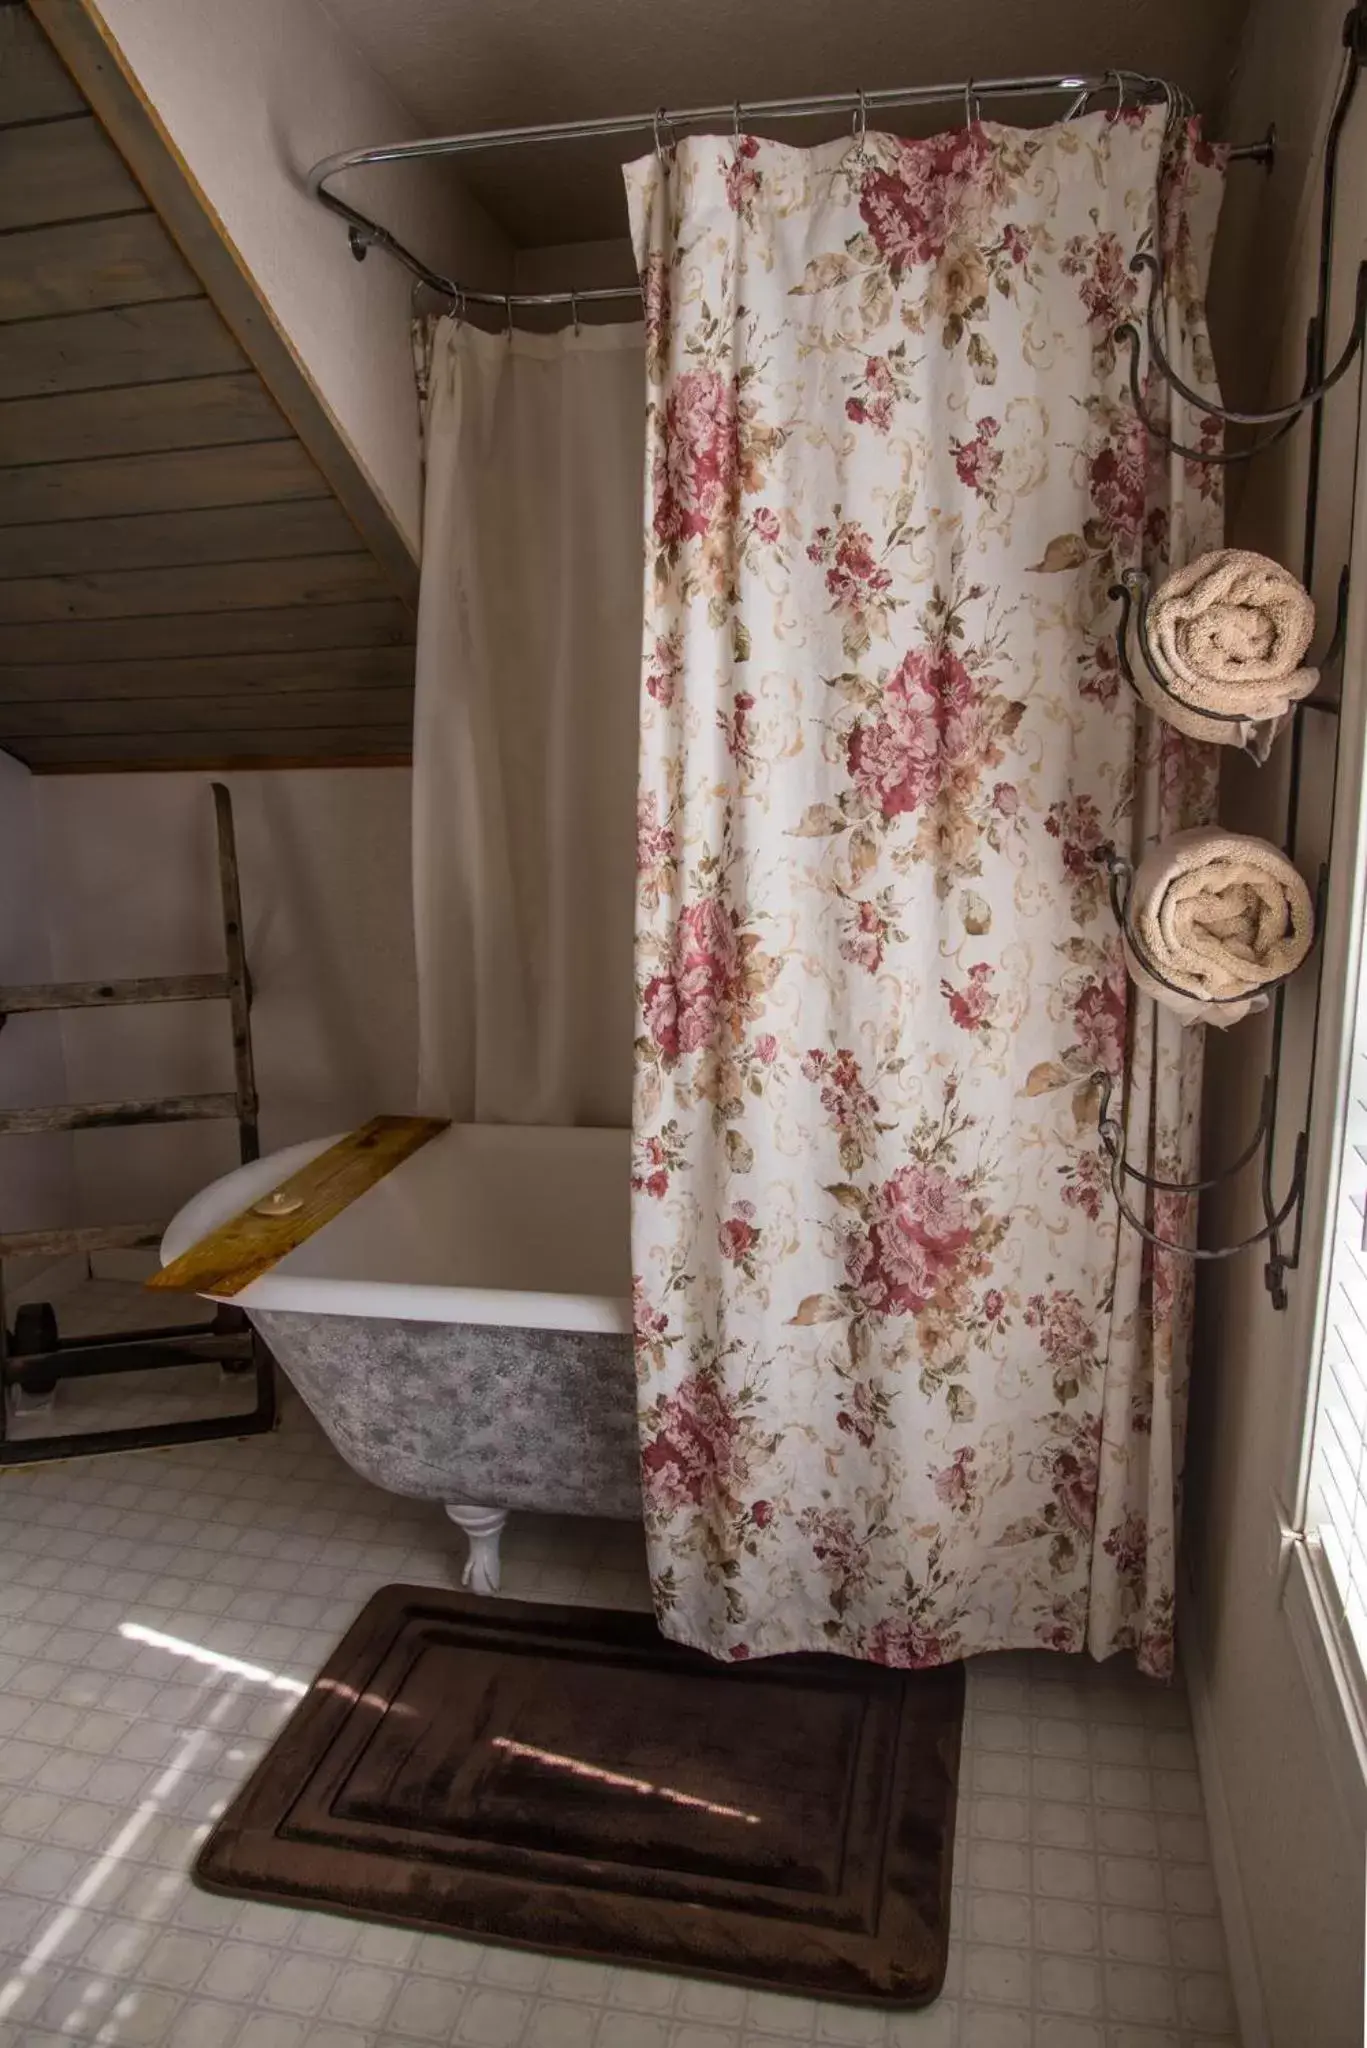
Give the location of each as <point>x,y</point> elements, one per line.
<point>180,583</point>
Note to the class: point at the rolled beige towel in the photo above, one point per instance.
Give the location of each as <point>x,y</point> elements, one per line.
<point>1227,634</point>
<point>1220,915</point>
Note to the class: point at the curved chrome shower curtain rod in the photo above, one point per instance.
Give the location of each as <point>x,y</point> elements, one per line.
<point>366,233</point>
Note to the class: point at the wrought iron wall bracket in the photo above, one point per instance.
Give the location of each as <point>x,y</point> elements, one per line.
<point>1112,1135</point>
<point>1133,594</point>
<point>1259,1147</point>
<point>1128,337</point>
<point>1311,392</point>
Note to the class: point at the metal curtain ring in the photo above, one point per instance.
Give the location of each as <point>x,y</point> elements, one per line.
<point>860,126</point>
<point>574,311</point>
<point>735,120</point>
<point>508,314</point>
<point>1174,115</point>
<point>662,129</point>
<point>969,115</point>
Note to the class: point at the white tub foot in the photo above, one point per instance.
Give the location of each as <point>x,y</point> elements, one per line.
<point>483,1527</point>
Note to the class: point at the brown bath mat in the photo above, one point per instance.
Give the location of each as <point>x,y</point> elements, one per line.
<point>565,1779</point>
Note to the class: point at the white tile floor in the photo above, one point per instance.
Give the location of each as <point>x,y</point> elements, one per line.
<point>159,1616</point>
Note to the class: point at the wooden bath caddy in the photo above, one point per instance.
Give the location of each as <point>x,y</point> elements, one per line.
<point>241,1250</point>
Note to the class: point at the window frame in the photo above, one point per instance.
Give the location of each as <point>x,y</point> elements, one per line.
<point>1332,1663</point>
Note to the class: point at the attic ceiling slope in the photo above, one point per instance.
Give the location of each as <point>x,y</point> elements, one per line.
<point>466,64</point>
<point>183,581</point>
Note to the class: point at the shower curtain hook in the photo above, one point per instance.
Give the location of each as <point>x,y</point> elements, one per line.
<point>735,120</point>
<point>574,312</point>
<point>970,115</point>
<point>508,316</point>
<point>859,128</point>
<point>1175,114</point>
<point>662,122</point>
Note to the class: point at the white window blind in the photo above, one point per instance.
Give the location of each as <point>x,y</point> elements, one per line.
<point>1336,1509</point>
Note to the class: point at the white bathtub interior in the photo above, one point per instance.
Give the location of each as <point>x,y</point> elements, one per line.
<point>494,1224</point>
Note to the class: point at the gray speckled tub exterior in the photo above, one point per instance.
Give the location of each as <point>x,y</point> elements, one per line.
<point>543,1420</point>
<point>461,1330</point>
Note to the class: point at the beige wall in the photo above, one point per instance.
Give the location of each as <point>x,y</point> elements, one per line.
<point>1296,1856</point>
<point>37,1188</point>
<point>579,266</point>
<point>254,92</point>
<point>132,890</point>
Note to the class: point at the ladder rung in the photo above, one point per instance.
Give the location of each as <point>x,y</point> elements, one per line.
<point>94,995</point>
<point>95,1237</point>
<point>105,1116</point>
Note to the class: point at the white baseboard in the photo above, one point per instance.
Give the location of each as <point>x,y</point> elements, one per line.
<point>1245,1982</point>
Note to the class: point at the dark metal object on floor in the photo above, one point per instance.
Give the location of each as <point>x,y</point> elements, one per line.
<point>566,1780</point>
<point>35,1359</point>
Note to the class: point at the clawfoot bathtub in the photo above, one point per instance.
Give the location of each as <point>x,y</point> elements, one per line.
<point>462,1331</point>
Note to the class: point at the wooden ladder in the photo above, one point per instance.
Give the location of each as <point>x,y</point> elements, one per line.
<point>34,1357</point>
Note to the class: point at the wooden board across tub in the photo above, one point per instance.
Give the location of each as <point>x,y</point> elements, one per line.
<point>241,1250</point>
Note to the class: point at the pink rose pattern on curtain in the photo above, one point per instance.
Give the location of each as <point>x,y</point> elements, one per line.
<point>906,1393</point>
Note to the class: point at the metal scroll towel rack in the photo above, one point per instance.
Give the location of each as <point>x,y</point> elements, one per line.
<point>1283,1217</point>
<point>1076,90</point>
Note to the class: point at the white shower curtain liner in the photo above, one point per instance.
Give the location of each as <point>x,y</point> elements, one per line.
<point>525,725</point>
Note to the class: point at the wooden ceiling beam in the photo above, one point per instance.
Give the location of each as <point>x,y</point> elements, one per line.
<point>214,676</point>
<point>209,587</point>
<point>234,533</point>
<point>121,345</point>
<point>34,83</point>
<point>262,712</point>
<point>388,746</point>
<point>138,419</point>
<point>80,266</point>
<point>169,480</point>
<point>269,630</point>
<point>62,170</point>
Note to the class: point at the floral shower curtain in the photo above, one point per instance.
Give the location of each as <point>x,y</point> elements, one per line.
<point>906,1392</point>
